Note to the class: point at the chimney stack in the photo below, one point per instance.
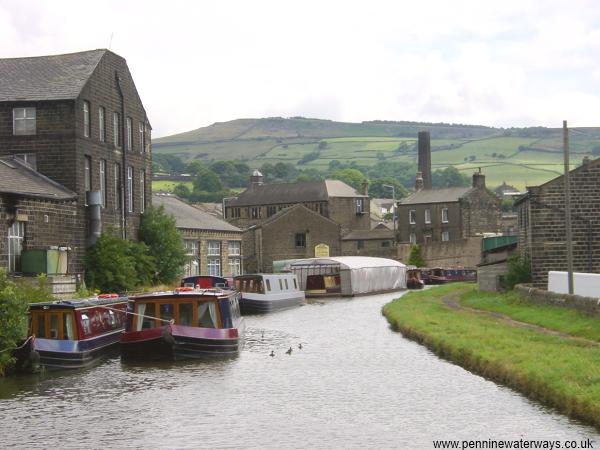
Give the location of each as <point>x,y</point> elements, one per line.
<point>424,157</point>
<point>256,179</point>
<point>479,180</point>
<point>419,182</point>
<point>365,187</point>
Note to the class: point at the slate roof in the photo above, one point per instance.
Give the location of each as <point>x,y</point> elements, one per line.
<point>288,210</point>
<point>309,191</point>
<point>19,178</point>
<point>186,216</point>
<point>54,77</point>
<point>445,195</point>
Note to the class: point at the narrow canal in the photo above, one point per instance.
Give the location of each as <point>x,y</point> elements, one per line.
<point>353,384</point>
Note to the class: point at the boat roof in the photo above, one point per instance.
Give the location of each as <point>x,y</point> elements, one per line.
<point>263,275</point>
<point>348,262</point>
<point>78,303</point>
<point>185,293</point>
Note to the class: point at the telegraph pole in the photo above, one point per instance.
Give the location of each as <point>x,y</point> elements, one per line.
<point>569,241</point>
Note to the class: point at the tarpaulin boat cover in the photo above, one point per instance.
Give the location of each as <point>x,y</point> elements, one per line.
<point>358,274</point>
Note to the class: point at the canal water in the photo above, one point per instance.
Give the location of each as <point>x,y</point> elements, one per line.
<point>353,384</point>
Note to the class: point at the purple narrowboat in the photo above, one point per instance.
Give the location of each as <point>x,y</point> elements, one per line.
<point>183,324</point>
<point>71,334</point>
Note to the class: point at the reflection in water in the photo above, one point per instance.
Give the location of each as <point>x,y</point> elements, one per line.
<point>353,384</point>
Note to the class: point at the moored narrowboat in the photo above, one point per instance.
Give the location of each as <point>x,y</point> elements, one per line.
<point>266,292</point>
<point>183,324</point>
<point>72,334</point>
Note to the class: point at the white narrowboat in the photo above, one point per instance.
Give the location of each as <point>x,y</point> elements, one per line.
<point>266,292</point>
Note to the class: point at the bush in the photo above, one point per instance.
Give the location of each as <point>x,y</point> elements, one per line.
<point>415,258</point>
<point>519,270</point>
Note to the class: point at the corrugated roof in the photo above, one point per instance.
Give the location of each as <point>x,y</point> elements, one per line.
<point>282,193</point>
<point>365,235</point>
<point>54,77</point>
<point>349,262</point>
<point>19,178</point>
<point>435,195</point>
<point>186,216</point>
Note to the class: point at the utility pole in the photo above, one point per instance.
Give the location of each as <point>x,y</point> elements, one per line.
<point>569,241</point>
<point>393,188</point>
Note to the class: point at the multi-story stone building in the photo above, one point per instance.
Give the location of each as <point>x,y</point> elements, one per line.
<point>542,234</point>
<point>78,120</point>
<point>213,245</point>
<point>333,199</point>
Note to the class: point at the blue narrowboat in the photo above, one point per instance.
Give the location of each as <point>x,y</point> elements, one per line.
<point>72,334</point>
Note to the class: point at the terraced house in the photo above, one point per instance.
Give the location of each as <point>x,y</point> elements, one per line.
<point>77,120</point>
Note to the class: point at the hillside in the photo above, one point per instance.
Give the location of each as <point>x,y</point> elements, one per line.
<point>519,156</point>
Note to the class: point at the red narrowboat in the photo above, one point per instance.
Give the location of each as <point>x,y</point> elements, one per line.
<point>182,324</point>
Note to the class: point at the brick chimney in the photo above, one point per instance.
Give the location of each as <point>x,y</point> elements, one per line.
<point>424,157</point>
<point>419,182</point>
<point>365,187</point>
<point>256,179</point>
<point>479,180</point>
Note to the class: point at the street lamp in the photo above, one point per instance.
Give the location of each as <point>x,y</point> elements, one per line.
<point>393,188</point>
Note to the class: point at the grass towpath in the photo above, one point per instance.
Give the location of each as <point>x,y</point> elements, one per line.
<point>555,361</point>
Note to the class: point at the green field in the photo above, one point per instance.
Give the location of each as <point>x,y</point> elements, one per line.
<point>519,157</point>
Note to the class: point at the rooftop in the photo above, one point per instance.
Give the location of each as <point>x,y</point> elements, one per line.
<point>435,196</point>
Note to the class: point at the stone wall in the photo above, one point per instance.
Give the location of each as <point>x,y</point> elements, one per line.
<point>489,276</point>
<point>382,248</point>
<point>480,213</point>
<point>462,252</point>
<point>537,296</point>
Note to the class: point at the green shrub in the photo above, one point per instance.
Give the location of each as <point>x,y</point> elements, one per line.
<point>519,270</point>
<point>13,318</point>
<point>415,258</point>
<point>110,266</point>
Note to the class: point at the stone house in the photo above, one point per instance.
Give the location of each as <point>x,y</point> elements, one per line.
<point>376,242</point>
<point>332,199</point>
<point>541,213</point>
<point>78,120</point>
<point>442,215</point>
<point>213,245</point>
<point>292,233</point>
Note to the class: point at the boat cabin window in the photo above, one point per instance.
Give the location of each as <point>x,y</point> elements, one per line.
<point>207,315</point>
<point>167,311</point>
<point>145,319</point>
<point>85,321</point>
<point>53,324</point>
<point>280,285</point>
<point>268,284</point>
<point>186,314</point>
<point>295,284</point>
<point>287,288</point>
<point>254,285</point>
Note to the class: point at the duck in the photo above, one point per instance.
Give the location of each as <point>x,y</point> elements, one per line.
<point>300,346</point>
<point>272,353</point>
<point>289,352</point>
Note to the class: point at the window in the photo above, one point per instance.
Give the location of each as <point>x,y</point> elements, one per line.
<point>268,284</point>
<point>427,216</point>
<point>214,248</point>
<point>235,213</point>
<point>271,210</point>
<point>360,244</point>
<point>186,311</point>
<point>102,124</point>
<point>412,238</point>
<point>24,121</point>
<point>427,238</point>
<point>300,240</point>
<point>103,182</point>
<point>118,190</point>
<point>129,189</point>
<point>16,234</point>
<point>360,205</point>
<point>444,215</point>
<point>142,136</point>
<point>87,174</point>
<point>142,190</point>
<point>29,158</point>
<point>214,267</point>
<point>116,125</point>
<point>255,213</point>
<point>129,125</point>
<point>412,216</point>
<point>235,266</point>
<point>445,236</point>
<point>385,244</point>
<point>235,248</point>
<point>191,247</point>
<point>192,267</point>
<point>86,118</point>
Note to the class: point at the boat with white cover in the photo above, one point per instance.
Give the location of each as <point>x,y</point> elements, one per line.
<point>266,292</point>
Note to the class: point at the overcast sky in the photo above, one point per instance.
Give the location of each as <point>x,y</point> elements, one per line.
<point>504,63</point>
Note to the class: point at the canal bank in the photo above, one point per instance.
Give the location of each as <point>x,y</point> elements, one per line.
<point>551,354</point>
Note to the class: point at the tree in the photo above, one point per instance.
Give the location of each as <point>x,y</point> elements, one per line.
<point>378,189</point>
<point>352,177</point>
<point>13,322</point>
<point>449,177</point>
<point>208,181</point>
<point>322,145</point>
<point>159,232</point>
<point>415,258</point>
<point>109,265</point>
<point>182,190</point>
<point>519,270</point>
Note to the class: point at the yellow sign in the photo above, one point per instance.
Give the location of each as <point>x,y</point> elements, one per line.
<point>321,250</point>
